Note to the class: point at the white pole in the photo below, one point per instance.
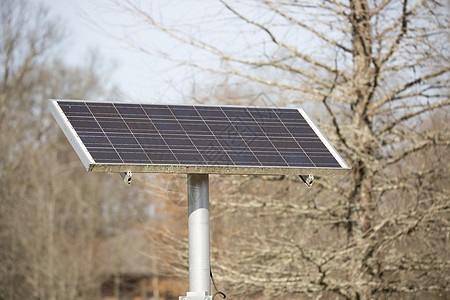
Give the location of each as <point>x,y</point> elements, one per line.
<point>198,227</point>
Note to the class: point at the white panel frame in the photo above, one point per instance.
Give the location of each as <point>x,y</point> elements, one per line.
<point>71,134</point>
<point>323,139</point>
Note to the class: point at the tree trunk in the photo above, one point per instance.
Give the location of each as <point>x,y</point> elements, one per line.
<point>362,83</point>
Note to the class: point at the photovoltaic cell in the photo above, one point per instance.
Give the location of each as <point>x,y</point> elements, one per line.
<point>183,138</point>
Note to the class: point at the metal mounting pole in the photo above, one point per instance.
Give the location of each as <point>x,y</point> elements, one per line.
<point>198,227</point>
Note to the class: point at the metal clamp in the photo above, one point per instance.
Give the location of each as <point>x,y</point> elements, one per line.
<point>126,176</point>
<point>307,180</point>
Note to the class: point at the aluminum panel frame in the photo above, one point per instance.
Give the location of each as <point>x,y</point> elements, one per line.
<point>324,140</point>
<point>71,134</point>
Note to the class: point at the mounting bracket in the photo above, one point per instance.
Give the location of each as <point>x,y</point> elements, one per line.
<point>307,180</point>
<point>126,176</point>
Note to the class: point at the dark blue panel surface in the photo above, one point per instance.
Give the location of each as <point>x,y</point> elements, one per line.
<point>128,133</point>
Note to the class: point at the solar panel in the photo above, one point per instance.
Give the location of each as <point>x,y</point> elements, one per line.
<point>157,138</point>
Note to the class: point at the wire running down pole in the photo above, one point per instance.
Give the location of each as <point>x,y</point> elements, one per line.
<point>198,227</point>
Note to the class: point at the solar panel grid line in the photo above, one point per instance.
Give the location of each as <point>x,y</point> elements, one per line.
<point>267,137</point>
<point>186,148</point>
<point>246,144</point>
<point>308,137</point>
<point>127,147</point>
<point>237,147</point>
<point>159,133</point>
<point>295,139</point>
<point>132,134</point>
<point>215,137</point>
<point>192,152</point>
<point>86,126</point>
<point>324,140</point>
<point>161,119</point>
<point>101,127</point>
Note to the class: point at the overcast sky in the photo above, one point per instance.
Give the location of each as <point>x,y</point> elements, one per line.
<point>143,77</point>
<point>139,76</point>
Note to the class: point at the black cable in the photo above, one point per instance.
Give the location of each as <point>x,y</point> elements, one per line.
<point>221,294</point>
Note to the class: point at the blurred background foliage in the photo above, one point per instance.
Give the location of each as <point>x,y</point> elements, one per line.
<point>379,88</point>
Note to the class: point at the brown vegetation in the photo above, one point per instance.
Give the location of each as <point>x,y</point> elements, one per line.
<point>375,74</point>
<point>376,79</point>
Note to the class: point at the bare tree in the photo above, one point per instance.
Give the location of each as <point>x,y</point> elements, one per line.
<point>52,215</point>
<point>373,72</point>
